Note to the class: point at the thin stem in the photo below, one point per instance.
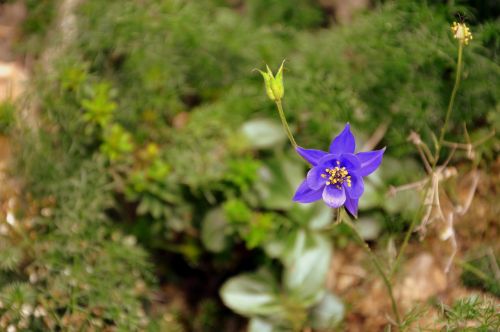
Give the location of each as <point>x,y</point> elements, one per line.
<point>285,123</point>
<point>379,269</point>
<point>451,102</point>
<point>474,270</point>
<point>406,240</point>
<point>338,216</point>
<point>436,157</point>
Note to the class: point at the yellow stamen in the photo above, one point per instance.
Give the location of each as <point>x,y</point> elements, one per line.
<point>337,176</point>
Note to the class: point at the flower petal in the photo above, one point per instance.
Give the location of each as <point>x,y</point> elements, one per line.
<point>350,161</point>
<point>310,155</point>
<point>333,196</point>
<point>351,204</point>
<point>304,194</point>
<point>357,186</point>
<point>314,179</point>
<point>344,142</point>
<point>370,161</point>
<point>328,160</point>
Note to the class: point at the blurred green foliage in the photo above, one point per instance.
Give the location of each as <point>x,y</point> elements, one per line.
<point>152,118</point>
<point>7,116</point>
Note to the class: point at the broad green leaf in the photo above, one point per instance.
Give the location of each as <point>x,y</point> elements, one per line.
<point>263,133</point>
<point>277,183</point>
<point>252,294</point>
<point>214,230</point>
<point>259,325</point>
<point>369,228</point>
<point>327,313</point>
<point>315,215</point>
<point>403,202</point>
<point>373,196</point>
<point>307,266</point>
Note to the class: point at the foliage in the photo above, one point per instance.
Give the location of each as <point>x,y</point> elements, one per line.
<point>67,268</point>
<point>472,314</point>
<point>7,116</point>
<point>481,273</point>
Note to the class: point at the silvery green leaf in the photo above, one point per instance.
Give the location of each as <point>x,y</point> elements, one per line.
<point>259,325</point>
<point>263,133</point>
<point>315,215</point>
<point>328,312</point>
<point>403,202</point>
<point>368,228</point>
<point>373,196</point>
<point>306,267</point>
<point>252,294</point>
<point>277,183</point>
<point>213,230</point>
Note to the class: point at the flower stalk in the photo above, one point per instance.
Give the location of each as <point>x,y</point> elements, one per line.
<point>378,267</point>
<point>275,90</point>
<point>462,34</point>
<point>458,75</point>
<point>285,123</point>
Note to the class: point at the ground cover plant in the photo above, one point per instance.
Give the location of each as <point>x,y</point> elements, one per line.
<point>159,168</point>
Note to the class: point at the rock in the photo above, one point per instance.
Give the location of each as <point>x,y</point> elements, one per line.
<point>424,278</point>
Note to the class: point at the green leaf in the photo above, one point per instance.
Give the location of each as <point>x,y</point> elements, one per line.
<point>259,325</point>
<point>213,230</point>
<point>327,313</point>
<point>307,265</point>
<point>369,228</point>
<point>252,294</point>
<point>277,183</point>
<point>263,133</point>
<point>10,256</point>
<point>373,196</point>
<point>315,216</point>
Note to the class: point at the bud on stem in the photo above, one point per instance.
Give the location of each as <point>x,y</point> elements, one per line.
<point>274,84</point>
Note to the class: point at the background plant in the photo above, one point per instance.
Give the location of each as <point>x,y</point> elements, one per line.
<point>159,99</point>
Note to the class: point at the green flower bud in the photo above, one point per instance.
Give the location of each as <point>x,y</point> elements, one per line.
<point>267,82</point>
<point>274,84</point>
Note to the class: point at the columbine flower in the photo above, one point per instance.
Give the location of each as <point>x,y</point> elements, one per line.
<point>461,32</point>
<point>337,175</point>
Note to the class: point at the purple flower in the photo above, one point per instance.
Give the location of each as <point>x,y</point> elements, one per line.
<point>336,176</point>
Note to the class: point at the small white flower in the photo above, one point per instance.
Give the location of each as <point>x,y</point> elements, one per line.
<point>33,278</point>
<point>27,310</point>
<point>11,219</point>
<point>40,312</point>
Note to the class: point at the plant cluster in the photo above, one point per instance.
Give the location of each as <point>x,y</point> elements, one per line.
<point>154,130</point>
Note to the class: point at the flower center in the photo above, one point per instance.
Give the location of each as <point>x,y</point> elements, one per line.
<point>337,176</point>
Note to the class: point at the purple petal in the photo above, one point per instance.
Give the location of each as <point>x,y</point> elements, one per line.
<point>350,161</point>
<point>351,204</point>
<point>329,160</point>
<point>370,161</point>
<point>304,194</point>
<point>333,196</point>
<point>314,179</point>
<point>357,186</point>
<point>344,142</point>
<point>310,155</point>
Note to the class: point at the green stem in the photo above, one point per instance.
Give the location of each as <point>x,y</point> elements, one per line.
<point>408,234</point>
<point>436,157</point>
<point>285,123</point>
<point>379,269</point>
<point>474,270</point>
<point>450,103</point>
